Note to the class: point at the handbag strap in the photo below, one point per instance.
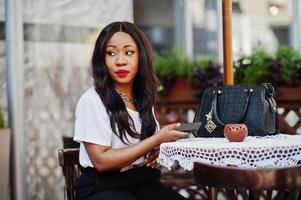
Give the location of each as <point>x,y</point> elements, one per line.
<point>197,115</point>
<point>270,95</point>
<point>249,91</point>
<point>196,119</point>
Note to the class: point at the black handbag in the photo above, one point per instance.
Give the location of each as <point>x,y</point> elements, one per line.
<point>252,105</point>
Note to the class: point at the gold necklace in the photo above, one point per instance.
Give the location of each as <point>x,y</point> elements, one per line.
<point>123,96</point>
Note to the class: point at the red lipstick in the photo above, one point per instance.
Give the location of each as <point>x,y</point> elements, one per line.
<point>122,73</point>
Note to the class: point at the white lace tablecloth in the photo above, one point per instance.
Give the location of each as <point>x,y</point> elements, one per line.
<point>254,152</point>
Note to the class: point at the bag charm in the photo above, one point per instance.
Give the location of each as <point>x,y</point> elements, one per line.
<point>210,125</point>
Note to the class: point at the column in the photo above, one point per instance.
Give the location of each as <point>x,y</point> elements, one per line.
<point>296,26</point>
<point>15,63</point>
<point>183,27</point>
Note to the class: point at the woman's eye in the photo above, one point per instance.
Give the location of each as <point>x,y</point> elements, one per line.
<point>111,53</point>
<point>129,53</point>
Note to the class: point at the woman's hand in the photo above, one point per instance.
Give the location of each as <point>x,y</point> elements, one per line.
<point>151,158</point>
<point>167,134</point>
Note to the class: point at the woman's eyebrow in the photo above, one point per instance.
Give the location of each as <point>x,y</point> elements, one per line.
<point>129,45</point>
<point>125,46</point>
<point>110,45</point>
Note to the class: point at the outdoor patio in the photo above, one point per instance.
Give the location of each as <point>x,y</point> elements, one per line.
<point>46,49</point>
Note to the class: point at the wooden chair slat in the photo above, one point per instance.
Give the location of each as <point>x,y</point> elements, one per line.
<point>260,183</point>
<point>231,194</point>
<point>69,161</point>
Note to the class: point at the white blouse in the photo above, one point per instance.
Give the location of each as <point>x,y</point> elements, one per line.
<point>92,124</point>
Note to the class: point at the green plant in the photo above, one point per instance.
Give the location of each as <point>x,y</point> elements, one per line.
<point>174,64</point>
<point>250,69</point>
<point>288,58</point>
<point>282,68</point>
<point>203,61</point>
<point>207,73</point>
<point>170,66</point>
<point>2,122</point>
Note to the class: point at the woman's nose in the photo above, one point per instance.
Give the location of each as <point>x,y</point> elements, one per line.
<point>120,60</point>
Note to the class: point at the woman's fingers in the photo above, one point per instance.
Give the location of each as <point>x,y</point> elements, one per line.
<point>153,164</point>
<point>171,126</point>
<point>153,155</point>
<point>152,158</point>
<point>158,165</point>
<point>181,134</point>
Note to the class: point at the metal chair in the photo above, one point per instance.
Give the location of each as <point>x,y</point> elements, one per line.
<point>266,183</point>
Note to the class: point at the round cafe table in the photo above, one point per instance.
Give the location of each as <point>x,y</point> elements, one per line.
<point>254,152</point>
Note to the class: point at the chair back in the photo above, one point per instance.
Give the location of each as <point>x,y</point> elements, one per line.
<point>68,142</point>
<point>69,161</point>
<point>265,183</point>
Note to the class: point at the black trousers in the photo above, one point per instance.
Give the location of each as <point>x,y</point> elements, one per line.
<point>137,184</point>
<point>153,190</point>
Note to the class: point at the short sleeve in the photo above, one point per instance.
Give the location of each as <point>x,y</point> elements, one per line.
<point>92,123</point>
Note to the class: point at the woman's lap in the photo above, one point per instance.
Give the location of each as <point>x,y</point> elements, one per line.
<point>127,186</point>
<point>156,190</point>
<point>149,191</point>
<point>112,195</point>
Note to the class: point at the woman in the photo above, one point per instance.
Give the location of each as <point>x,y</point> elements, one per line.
<point>115,121</point>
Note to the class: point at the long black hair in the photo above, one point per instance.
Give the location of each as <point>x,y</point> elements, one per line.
<point>144,86</point>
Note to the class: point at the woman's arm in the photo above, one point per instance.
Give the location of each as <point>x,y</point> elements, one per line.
<point>104,158</point>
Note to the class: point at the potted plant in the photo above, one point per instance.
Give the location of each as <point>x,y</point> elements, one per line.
<point>5,157</point>
<point>206,73</point>
<point>287,69</point>
<point>184,81</point>
<point>283,70</point>
<point>252,69</point>
<point>174,70</point>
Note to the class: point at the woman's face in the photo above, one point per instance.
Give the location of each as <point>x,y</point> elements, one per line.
<point>122,58</point>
